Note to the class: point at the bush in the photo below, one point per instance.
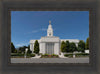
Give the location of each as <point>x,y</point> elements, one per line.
<point>49,56</point>
<point>68,55</point>
<point>82,54</point>
<point>19,51</point>
<point>20,54</point>
<point>17,54</point>
<point>15,51</point>
<point>54,55</point>
<point>45,54</point>
<point>31,55</point>
<point>77,55</point>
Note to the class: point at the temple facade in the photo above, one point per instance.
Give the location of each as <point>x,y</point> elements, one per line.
<point>50,44</point>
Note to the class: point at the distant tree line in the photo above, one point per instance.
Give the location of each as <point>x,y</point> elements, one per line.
<point>22,49</point>
<point>71,46</point>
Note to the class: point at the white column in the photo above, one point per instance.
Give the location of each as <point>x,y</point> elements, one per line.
<point>32,47</point>
<point>40,45</point>
<point>43,48</point>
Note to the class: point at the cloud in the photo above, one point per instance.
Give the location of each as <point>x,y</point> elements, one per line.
<point>35,31</point>
<point>43,29</point>
<point>21,44</point>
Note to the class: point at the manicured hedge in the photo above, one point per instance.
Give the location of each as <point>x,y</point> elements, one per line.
<point>68,55</point>
<point>17,54</point>
<point>31,55</point>
<point>20,55</point>
<point>77,55</point>
<point>82,54</point>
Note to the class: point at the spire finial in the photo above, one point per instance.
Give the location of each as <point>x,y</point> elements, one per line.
<point>49,22</point>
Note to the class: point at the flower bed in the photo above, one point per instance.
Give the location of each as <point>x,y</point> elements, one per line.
<point>49,56</point>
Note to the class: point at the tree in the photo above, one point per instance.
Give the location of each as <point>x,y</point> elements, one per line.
<point>87,43</point>
<point>22,49</point>
<point>72,47</point>
<point>63,46</point>
<point>12,48</point>
<point>29,51</point>
<point>81,46</point>
<point>36,47</point>
<point>67,46</point>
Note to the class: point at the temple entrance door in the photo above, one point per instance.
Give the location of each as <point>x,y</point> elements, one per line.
<point>49,48</point>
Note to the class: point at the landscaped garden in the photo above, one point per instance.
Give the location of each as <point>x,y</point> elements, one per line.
<point>66,47</point>
<point>77,55</point>
<point>20,55</point>
<point>49,56</point>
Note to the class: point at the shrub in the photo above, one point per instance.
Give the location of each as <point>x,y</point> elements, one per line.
<point>77,55</point>
<point>55,55</point>
<point>82,54</point>
<point>15,51</point>
<point>17,54</point>
<point>45,54</point>
<point>31,55</point>
<point>68,55</point>
<point>49,56</point>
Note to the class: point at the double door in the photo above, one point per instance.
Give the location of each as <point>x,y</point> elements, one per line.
<point>49,48</point>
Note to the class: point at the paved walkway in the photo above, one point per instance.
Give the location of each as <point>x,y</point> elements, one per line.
<point>49,60</point>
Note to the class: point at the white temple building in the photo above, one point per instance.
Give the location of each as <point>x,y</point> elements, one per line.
<point>50,44</point>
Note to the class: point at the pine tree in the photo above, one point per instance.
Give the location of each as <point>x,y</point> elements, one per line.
<point>12,48</point>
<point>29,51</point>
<point>87,43</point>
<point>36,47</point>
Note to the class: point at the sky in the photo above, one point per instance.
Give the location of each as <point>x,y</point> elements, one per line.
<point>28,25</point>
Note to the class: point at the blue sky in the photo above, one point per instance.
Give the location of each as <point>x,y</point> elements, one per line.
<point>27,25</point>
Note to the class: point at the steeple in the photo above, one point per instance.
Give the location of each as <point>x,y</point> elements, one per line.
<point>50,30</point>
<point>49,22</point>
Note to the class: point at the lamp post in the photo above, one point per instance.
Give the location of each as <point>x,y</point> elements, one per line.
<point>26,52</point>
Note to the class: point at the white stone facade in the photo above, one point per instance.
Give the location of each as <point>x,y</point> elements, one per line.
<point>50,44</point>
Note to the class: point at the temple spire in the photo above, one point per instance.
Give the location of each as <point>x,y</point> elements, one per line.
<point>49,30</point>
<point>49,22</point>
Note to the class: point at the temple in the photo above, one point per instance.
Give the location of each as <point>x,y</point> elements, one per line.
<point>50,44</point>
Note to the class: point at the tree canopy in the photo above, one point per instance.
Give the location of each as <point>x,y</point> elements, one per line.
<point>29,51</point>
<point>81,46</point>
<point>67,46</point>
<point>22,49</point>
<point>73,47</point>
<point>63,46</point>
